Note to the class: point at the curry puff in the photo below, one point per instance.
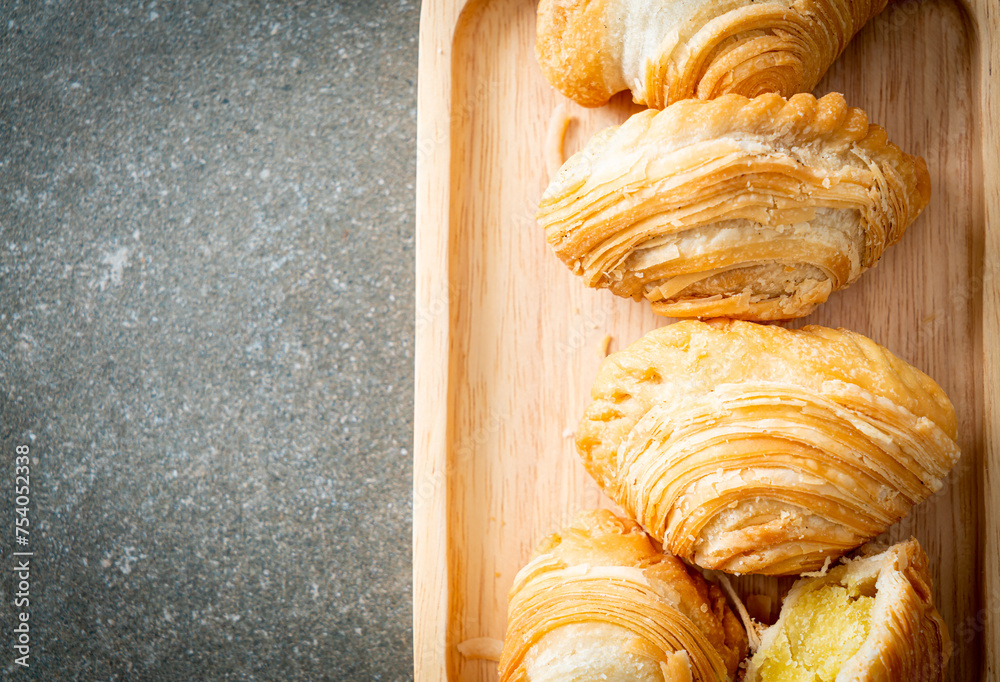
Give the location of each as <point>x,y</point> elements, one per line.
<point>669,50</point>
<point>744,208</point>
<point>751,448</point>
<point>598,601</point>
<point>870,619</point>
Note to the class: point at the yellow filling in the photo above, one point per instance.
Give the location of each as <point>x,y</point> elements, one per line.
<point>824,629</point>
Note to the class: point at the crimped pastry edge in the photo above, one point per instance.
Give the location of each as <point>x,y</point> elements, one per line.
<point>822,133</point>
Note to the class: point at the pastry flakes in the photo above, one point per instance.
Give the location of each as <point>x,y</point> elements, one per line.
<point>665,51</point>
<point>599,601</point>
<point>745,208</point>
<point>750,448</point>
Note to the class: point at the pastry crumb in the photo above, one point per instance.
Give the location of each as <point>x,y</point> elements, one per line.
<point>605,345</point>
<point>821,572</point>
<point>482,648</point>
<point>555,137</point>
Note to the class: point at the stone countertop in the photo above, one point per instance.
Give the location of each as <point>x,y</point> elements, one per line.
<point>206,336</point>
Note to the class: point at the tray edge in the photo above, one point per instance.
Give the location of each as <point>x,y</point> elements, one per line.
<point>438,25</point>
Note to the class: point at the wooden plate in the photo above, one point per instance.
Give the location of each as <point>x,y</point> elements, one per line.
<point>508,340</point>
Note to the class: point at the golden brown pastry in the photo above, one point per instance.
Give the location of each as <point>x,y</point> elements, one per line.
<point>599,602</point>
<point>745,208</point>
<point>872,619</point>
<point>668,50</point>
<point>751,448</point>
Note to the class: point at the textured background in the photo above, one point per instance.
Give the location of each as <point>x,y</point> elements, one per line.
<point>206,274</point>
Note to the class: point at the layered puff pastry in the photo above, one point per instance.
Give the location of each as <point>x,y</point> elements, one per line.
<point>870,619</point>
<point>751,448</point>
<point>744,208</point>
<point>669,50</point>
<point>598,601</point>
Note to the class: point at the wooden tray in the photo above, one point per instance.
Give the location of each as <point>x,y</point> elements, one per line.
<point>508,340</point>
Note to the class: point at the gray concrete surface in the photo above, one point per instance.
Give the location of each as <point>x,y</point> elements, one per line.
<point>206,304</point>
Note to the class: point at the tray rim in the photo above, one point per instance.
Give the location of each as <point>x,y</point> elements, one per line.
<point>440,22</point>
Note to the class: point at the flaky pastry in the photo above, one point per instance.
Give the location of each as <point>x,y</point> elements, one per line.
<point>744,208</point>
<point>751,448</point>
<point>872,619</point>
<point>668,50</point>
<point>599,602</point>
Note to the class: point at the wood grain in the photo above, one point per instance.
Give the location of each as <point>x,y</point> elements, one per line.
<point>508,339</point>
<point>986,20</point>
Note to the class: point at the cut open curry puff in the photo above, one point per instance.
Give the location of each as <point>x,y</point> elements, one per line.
<point>669,50</point>
<point>870,619</point>
<point>599,602</point>
<point>751,448</point>
<point>744,208</point>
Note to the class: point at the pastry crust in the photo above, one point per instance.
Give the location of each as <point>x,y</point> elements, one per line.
<point>665,51</point>
<point>755,449</point>
<point>746,208</point>
<point>906,640</point>
<point>599,601</point>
